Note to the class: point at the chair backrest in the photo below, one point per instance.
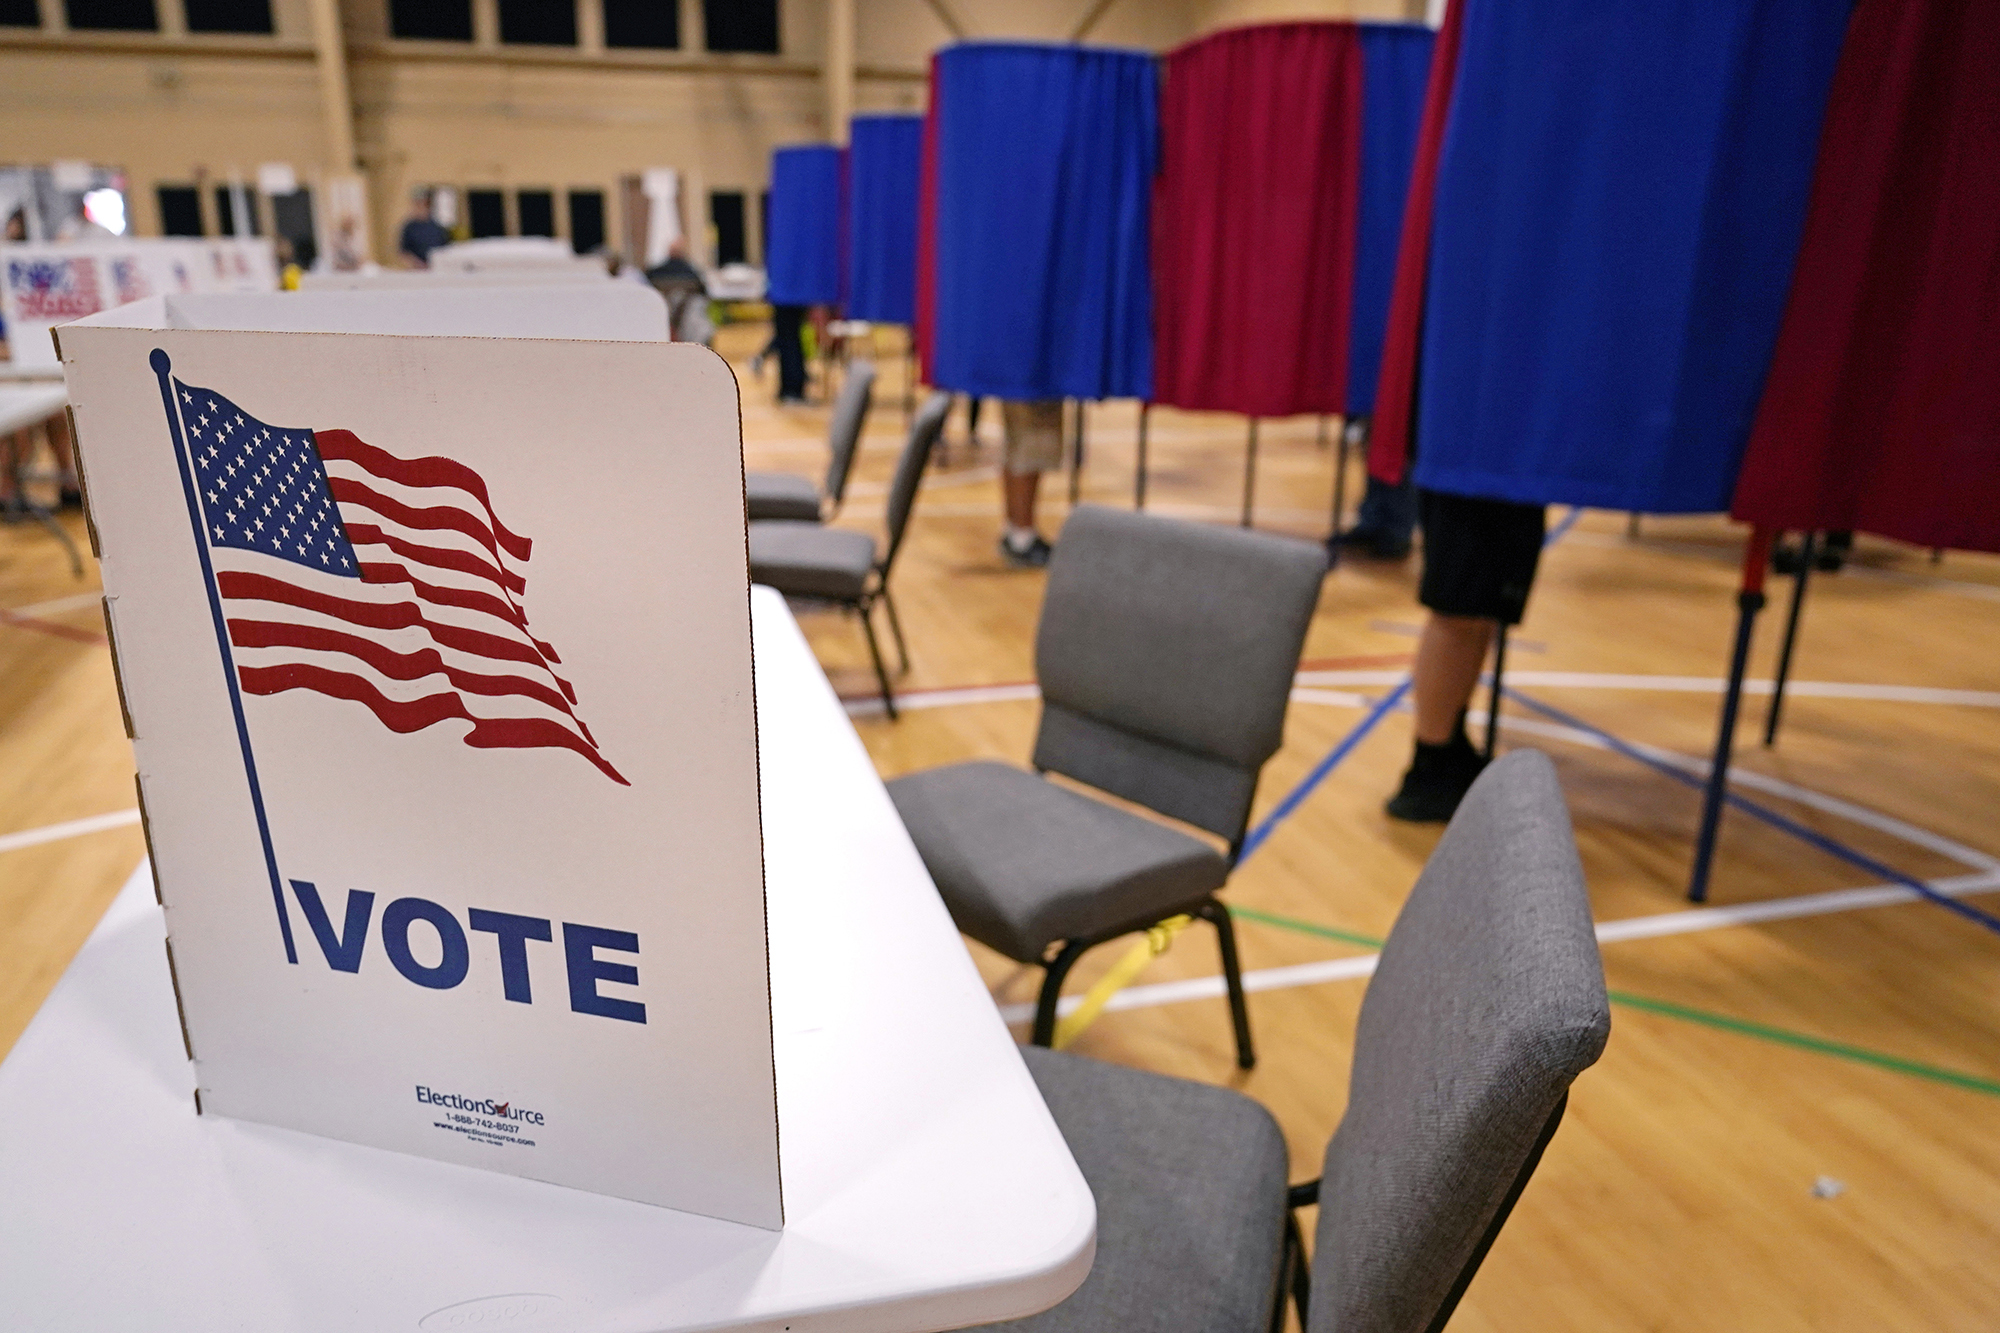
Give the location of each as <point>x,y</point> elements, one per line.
<point>925,428</point>
<point>1166,654</point>
<point>843,433</point>
<point>1488,1000</point>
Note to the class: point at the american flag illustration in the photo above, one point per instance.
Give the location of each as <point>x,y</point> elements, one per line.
<point>389,582</point>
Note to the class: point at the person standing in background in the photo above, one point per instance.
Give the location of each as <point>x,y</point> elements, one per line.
<point>421,233</point>
<point>1480,558</point>
<point>1032,446</point>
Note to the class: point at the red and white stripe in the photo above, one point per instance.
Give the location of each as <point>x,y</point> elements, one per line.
<point>436,627</point>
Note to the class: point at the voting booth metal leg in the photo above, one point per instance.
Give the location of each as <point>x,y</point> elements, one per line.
<point>1749,601</point>
<point>1632,526</point>
<point>1250,472</point>
<point>910,384</point>
<point>1499,683</point>
<point>1339,497</point>
<point>1808,552</point>
<point>1139,469</point>
<point>1076,458</point>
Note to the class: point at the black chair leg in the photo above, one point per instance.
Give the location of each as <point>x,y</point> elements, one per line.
<point>896,628</point>
<point>875,653</point>
<point>1044,1033</point>
<point>1232,972</point>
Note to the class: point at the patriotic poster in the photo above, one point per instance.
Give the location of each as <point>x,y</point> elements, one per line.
<point>436,654</point>
<point>46,283</point>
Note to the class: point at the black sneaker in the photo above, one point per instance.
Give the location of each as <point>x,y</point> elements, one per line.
<point>1373,542</point>
<point>1035,555</point>
<point>1437,780</point>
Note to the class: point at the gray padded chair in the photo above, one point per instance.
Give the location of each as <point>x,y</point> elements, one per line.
<point>1165,655</point>
<point>1488,1000</point>
<point>838,565</point>
<point>786,495</point>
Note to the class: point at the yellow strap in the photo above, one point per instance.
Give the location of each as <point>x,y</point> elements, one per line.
<point>1158,939</point>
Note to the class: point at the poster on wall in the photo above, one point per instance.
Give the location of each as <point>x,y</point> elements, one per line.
<point>439,685</point>
<point>43,284</point>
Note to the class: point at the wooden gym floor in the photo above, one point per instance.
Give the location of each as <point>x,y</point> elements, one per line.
<point>1783,1042</point>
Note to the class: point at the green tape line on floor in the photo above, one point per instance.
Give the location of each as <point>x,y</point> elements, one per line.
<point>1802,1041</point>
<point>1668,1009</point>
<point>1305,927</point>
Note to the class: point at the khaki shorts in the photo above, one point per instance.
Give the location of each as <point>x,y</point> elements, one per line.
<point>1034,436</point>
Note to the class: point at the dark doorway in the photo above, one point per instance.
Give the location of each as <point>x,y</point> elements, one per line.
<point>725,210</point>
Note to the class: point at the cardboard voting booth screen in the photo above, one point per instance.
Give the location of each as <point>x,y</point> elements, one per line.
<point>436,657</point>
<point>43,284</point>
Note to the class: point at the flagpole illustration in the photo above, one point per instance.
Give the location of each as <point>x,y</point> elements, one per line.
<point>163,367</point>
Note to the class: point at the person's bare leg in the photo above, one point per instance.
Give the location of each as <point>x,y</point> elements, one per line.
<point>1020,489</point>
<point>1450,655</point>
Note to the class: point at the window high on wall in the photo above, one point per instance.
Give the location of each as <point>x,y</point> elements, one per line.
<point>20,14</point>
<point>431,20</point>
<point>229,16</point>
<point>652,25</point>
<point>741,25</point>
<point>538,22</point>
<point>112,15</point>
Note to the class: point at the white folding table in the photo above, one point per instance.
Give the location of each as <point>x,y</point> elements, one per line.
<point>25,403</point>
<point>926,1186</point>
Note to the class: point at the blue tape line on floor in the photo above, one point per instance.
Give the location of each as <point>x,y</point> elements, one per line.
<point>1568,522</point>
<point>1383,707</point>
<point>1783,823</point>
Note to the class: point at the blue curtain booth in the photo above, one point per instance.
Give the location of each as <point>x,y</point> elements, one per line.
<point>1044,171</point>
<point>802,247</point>
<point>1395,67</point>
<point>1619,204</point>
<point>883,156</point>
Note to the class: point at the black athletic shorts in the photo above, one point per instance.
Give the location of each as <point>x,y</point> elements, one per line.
<point>1479,555</point>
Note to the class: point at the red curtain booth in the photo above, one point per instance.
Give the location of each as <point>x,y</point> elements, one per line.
<point>1254,220</point>
<point>1882,410</point>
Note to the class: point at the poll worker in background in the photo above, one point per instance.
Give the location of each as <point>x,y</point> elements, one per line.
<point>686,294</point>
<point>788,344</point>
<point>1032,446</point>
<point>421,233</point>
<point>1479,564</point>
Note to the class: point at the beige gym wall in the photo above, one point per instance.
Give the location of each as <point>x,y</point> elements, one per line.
<point>175,107</point>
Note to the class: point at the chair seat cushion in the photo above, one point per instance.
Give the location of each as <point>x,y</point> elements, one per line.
<point>780,495</point>
<point>1022,862</point>
<point>1190,1187</point>
<point>810,560</point>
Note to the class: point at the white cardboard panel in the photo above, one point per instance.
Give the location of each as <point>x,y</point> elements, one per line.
<point>621,461</point>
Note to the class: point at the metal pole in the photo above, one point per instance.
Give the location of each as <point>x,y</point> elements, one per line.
<point>1749,601</point>
<point>1250,472</point>
<point>1808,549</point>
<point>1076,457</point>
<point>1493,700</point>
<point>1139,473</point>
<point>1632,526</point>
<point>1339,492</point>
